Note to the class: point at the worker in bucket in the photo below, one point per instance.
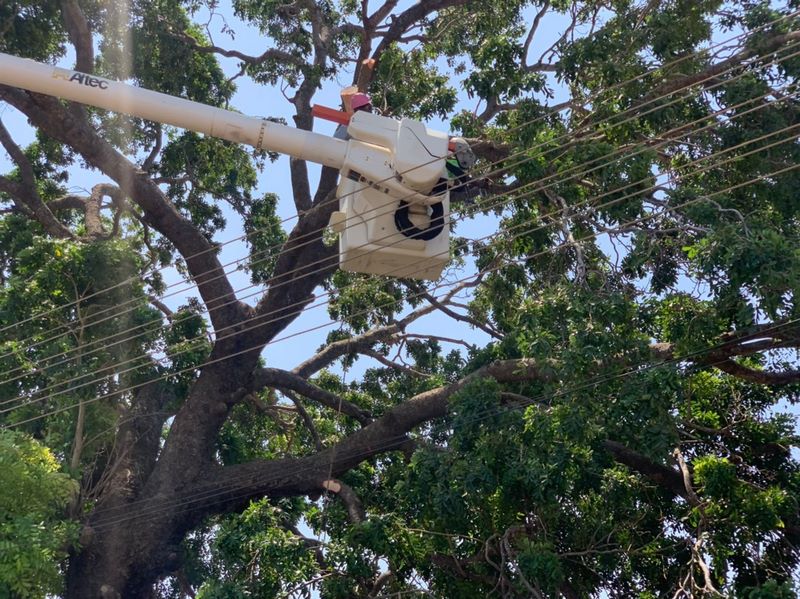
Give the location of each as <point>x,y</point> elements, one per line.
<point>463,188</point>
<point>358,102</point>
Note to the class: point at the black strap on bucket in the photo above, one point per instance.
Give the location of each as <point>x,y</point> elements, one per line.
<point>409,229</point>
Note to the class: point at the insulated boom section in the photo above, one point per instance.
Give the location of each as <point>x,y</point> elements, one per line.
<point>155,106</point>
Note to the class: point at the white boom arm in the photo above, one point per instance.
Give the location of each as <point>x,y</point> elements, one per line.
<point>162,108</point>
<point>386,166</point>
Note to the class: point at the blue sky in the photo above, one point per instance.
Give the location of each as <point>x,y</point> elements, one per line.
<point>257,100</point>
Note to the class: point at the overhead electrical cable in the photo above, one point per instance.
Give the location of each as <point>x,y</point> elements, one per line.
<point>232,355</point>
<point>103,343</point>
<point>682,358</point>
<point>726,150</point>
<point>387,443</point>
<point>654,70</point>
<point>644,146</point>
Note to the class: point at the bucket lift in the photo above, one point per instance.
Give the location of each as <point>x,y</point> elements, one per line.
<point>390,221</point>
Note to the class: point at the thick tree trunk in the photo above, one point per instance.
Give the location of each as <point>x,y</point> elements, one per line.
<point>132,536</point>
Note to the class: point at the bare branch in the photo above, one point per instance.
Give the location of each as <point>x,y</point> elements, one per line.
<point>742,344</point>
<point>269,54</point>
<point>283,379</point>
<point>462,317</point>
<point>161,306</point>
<point>380,582</point>
<point>394,365</point>
<point>26,194</point>
<point>306,417</point>
<point>355,509</point>
<point>387,334</point>
<point>452,340</point>
<point>344,347</point>
<point>154,151</point>
<point>532,32</point>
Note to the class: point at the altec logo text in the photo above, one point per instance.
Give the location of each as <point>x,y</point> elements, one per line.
<point>81,78</point>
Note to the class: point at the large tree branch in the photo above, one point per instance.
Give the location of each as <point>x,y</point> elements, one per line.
<point>79,35</point>
<point>743,343</point>
<point>410,17</point>
<point>769,46</point>
<point>489,150</point>
<point>200,255</point>
<point>351,500</point>
<point>301,190</point>
<point>233,486</point>
<point>663,476</point>
<point>284,380</point>
<point>90,206</point>
<point>761,377</point>
<point>303,264</point>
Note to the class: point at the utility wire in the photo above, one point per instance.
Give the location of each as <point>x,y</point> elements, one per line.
<point>644,147</point>
<point>726,150</point>
<point>388,443</point>
<point>644,218</point>
<point>598,94</point>
<point>617,200</point>
<point>738,157</point>
<point>313,234</point>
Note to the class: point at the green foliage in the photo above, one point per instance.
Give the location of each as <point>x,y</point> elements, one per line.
<point>187,345</point>
<point>214,169</point>
<point>265,237</point>
<point>32,29</point>
<point>637,235</point>
<point>408,84</point>
<point>33,532</point>
<point>771,589</point>
<point>257,553</point>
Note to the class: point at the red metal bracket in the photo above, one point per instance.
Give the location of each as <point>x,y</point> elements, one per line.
<point>330,114</point>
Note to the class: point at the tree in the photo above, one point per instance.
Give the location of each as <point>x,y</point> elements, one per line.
<point>33,536</point>
<point>622,428</point>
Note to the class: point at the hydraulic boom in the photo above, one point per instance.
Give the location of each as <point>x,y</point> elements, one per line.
<point>387,166</point>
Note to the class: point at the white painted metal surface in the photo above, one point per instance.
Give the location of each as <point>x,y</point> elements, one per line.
<point>385,163</point>
<point>162,108</point>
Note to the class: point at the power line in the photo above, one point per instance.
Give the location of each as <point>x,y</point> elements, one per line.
<point>698,352</point>
<point>655,70</point>
<point>643,147</point>
<point>145,356</point>
<point>388,443</point>
<point>261,345</point>
<point>262,323</point>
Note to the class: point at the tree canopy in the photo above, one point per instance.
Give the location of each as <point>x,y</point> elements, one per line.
<point>595,400</point>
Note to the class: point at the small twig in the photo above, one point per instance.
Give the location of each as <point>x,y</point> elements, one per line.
<point>440,338</point>
<point>462,317</point>
<point>307,420</point>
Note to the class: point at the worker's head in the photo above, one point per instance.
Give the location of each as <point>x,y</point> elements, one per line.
<point>361,101</point>
<point>463,153</point>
